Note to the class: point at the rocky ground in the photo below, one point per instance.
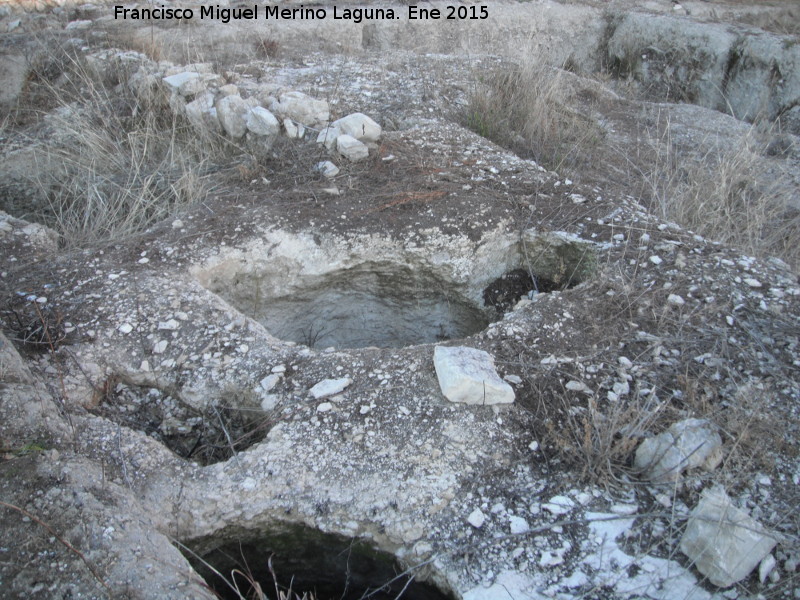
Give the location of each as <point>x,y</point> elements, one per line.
<point>241,387</point>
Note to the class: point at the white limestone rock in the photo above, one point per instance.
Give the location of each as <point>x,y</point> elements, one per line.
<point>188,83</point>
<point>329,387</point>
<point>687,444</point>
<point>518,525</point>
<point>294,131</point>
<point>302,108</point>
<point>351,148</point>
<point>559,505</point>
<point>675,300</point>
<point>328,136</point>
<point>578,386</point>
<point>724,542</point>
<point>327,169</point>
<point>231,111</point>
<point>262,122</point>
<point>229,89</point>
<point>360,126</point>
<point>201,103</point>
<point>269,402</point>
<point>37,235</point>
<point>82,24</point>
<point>14,368</point>
<point>766,568</point>
<point>476,518</point>
<point>202,114</point>
<point>270,381</point>
<point>468,375</point>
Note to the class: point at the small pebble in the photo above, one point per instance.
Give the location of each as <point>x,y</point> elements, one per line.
<point>476,518</point>
<point>675,300</point>
<point>518,525</point>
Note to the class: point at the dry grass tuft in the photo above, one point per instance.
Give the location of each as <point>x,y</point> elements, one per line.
<point>114,164</point>
<point>725,196</point>
<point>526,109</point>
<point>748,424</point>
<point>783,21</point>
<point>600,440</point>
<point>146,43</point>
<point>266,48</point>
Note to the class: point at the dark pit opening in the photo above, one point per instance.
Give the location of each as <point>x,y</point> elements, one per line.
<point>34,326</point>
<point>330,567</point>
<point>206,436</point>
<point>503,293</point>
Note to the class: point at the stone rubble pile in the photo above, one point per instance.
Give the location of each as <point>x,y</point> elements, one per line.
<point>724,542</point>
<point>255,113</point>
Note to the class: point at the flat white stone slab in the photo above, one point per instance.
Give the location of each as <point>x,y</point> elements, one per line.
<point>328,136</point>
<point>360,126</point>
<point>180,81</point>
<point>329,387</point>
<point>327,168</point>
<point>262,122</point>
<point>468,375</point>
<point>724,542</point>
<point>351,148</point>
<point>303,109</point>
<point>687,444</point>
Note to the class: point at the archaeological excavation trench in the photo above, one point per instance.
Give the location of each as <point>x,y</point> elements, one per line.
<point>205,435</point>
<point>353,293</point>
<point>215,426</point>
<point>392,299</point>
<point>306,560</point>
<point>370,304</point>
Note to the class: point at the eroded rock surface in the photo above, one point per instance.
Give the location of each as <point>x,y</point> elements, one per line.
<point>262,361</point>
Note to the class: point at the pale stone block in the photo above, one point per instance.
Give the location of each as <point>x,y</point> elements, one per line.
<point>360,126</point>
<point>723,541</point>
<point>468,375</point>
<point>351,148</point>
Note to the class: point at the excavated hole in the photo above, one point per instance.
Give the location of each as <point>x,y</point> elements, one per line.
<point>206,436</point>
<point>403,302</point>
<point>373,304</point>
<point>328,566</point>
<point>504,292</point>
